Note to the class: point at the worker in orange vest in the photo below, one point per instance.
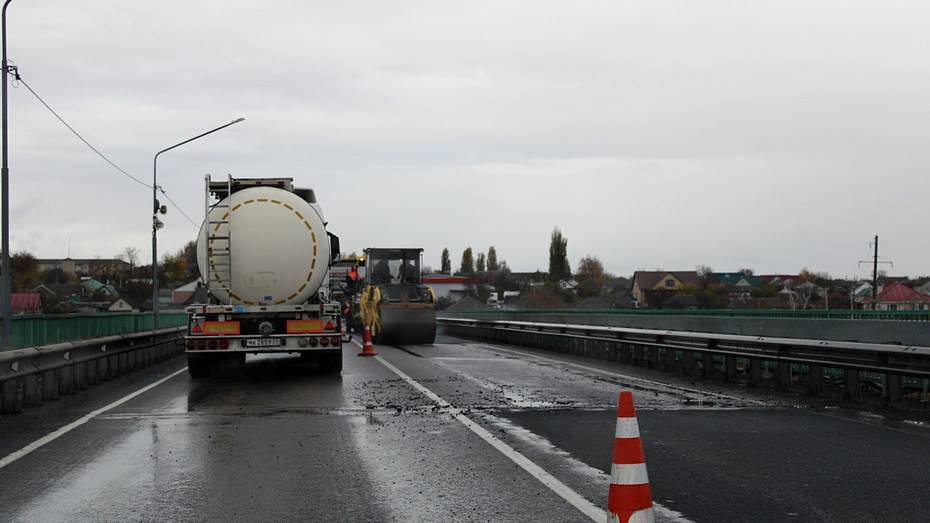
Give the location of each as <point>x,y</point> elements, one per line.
<point>352,281</point>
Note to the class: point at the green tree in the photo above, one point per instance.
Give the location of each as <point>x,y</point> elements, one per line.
<point>189,254</point>
<point>446,262</point>
<point>24,271</point>
<point>492,260</point>
<point>559,268</point>
<point>481,265</point>
<point>591,277</point>
<point>468,263</point>
<point>174,267</point>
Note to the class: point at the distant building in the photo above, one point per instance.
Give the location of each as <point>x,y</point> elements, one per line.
<point>739,284</point>
<point>121,305</point>
<point>779,279</point>
<point>645,282</point>
<point>83,266</point>
<point>897,297</point>
<point>26,303</point>
<point>185,293</point>
<point>445,286</point>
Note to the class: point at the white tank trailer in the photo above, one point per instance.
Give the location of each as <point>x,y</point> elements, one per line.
<point>264,254</point>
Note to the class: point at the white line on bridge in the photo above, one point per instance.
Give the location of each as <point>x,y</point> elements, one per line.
<point>48,438</point>
<point>564,491</point>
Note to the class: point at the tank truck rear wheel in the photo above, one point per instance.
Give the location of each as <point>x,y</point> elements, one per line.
<point>198,367</point>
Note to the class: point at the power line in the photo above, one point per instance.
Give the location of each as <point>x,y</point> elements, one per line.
<point>177,207</point>
<point>100,154</point>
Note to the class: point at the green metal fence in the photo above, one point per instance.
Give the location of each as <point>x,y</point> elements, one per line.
<point>43,329</point>
<point>746,313</point>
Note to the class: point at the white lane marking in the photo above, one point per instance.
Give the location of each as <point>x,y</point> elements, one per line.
<point>579,467</point>
<point>617,374</point>
<point>564,491</point>
<point>52,436</point>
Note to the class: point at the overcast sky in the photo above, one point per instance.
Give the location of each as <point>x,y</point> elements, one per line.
<point>655,134</point>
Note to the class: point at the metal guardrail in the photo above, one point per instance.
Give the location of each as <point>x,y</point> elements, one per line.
<point>837,314</point>
<point>32,375</point>
<point>717,354</point>
<point>43,329</point>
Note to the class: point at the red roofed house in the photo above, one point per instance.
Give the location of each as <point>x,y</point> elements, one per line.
<point>26,303</point>
<point>897,297</point>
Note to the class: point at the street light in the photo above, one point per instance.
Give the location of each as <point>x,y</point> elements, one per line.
<point>156,208</point>
<point>6,280</point>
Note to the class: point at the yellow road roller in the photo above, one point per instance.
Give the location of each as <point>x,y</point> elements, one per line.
<point>395,305</point>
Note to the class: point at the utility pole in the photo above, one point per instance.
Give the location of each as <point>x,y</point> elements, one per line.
<point>875,261</point>
<point>6,279</point>
<point>875,271</point>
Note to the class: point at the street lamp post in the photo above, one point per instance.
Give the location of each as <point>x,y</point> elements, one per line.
<point>156,223</point>
<point>6,280</point>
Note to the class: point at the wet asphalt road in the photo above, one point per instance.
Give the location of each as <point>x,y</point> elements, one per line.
<point>275,442</point>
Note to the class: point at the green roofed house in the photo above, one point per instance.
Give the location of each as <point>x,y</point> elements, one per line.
<point>740,284</point>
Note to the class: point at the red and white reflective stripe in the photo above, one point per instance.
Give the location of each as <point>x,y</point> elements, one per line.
<point>627,428</point>
<point>628,474</point>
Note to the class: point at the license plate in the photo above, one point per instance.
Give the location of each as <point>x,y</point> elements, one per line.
<point>264,342</point>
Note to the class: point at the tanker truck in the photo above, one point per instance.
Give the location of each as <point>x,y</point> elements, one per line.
<point>263,253</point>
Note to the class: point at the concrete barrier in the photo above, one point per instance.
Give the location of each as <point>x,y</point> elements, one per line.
<point>860,330</point>
<point>32,375</point>
<point>781,360</point>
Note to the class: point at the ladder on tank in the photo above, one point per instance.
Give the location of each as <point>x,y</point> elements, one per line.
<point>218,270</point>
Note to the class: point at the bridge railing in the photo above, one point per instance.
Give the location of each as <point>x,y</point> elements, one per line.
<point>838,314</point>
<point>711,354</point>
<point>29,376</point>
<point>43,329</point>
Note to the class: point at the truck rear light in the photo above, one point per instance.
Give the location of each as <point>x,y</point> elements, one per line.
<point>211,344</point>
<point>221,327</point>
<point>330,326</point>
<point>312,342</point>
<point>190,344</point>
<point>196,329</point>
<point>301,342</point>
<point>304,326</point>
<point>201,344</point>
<point>324,342</point>
<point>336,341</point>
<point>224,343</point>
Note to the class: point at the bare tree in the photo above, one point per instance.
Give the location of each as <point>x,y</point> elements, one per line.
<point>129,255</point>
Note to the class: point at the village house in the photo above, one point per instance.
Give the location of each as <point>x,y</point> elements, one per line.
<point>646,282</point>
<point>897,297</point>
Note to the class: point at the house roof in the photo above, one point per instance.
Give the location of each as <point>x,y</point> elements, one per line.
<point>187,287</point>
<point>26,301</point>
<point>898,293</point>
<point>649,279</point>
<point>781,277</point>
<point>734,278</point>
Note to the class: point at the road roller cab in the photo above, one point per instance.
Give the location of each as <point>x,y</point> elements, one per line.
<point>395,305</point>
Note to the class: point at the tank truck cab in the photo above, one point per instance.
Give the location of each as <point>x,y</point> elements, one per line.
<point>264,255</point>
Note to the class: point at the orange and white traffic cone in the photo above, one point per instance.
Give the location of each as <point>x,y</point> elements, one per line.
<point>367,348</point>
<point>630,498</point>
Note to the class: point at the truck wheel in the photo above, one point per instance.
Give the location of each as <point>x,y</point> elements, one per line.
<point>198,367</point>
<point>330,363</point>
